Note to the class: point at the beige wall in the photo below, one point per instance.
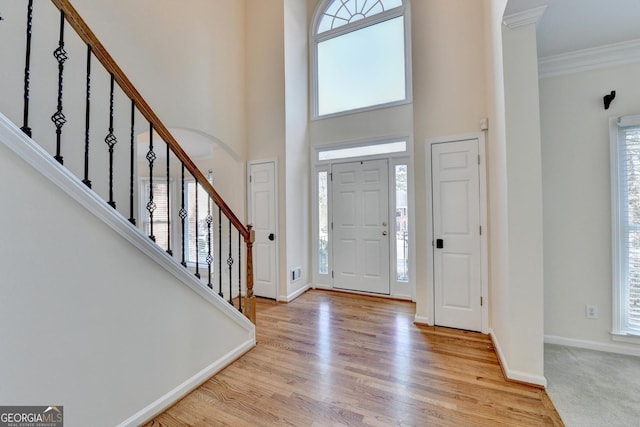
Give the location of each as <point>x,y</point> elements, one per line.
<point>577,199</point>
<point>297,144</point>
<point>449,95</point>
<point>183,57</point>
<point>277,122</point>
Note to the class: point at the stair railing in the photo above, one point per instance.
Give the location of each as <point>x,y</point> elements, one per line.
<point>229,252</point>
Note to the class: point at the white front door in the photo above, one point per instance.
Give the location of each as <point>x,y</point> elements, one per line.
<point>263,217</point>
<point>360,203</point>
<point>456,232</point>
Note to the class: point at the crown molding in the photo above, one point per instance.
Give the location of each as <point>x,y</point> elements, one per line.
<point>526,17</point>
<point>610,55</point>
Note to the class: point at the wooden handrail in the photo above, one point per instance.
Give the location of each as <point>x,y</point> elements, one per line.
<point>107,61</point>
<point>110,65</point>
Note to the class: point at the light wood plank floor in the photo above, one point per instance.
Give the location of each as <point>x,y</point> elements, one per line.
<point>331,359</point>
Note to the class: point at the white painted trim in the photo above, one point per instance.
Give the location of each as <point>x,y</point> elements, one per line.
<point>276,205</point>
<point>186,387</point>
<point>513,374</point>
<point>526,17</point>
<point>610,55</point>
<point>484,264</point>
<point>295,294</point>
<point>617,271</point>
<point>422,320</point>
<point>34,155</point>
<point>593,345</point>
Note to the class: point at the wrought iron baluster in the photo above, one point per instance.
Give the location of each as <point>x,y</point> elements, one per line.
<point>169,251</point>
<point>151,206</point>
<point>239,271</point>
<point>58,117</point>
<point>111,141</point>
<point>132,141</point>
<point>230,264</point>
<point>220,252</point>
<point>196,229</point>
<point>183,215</point>
<point>27,72</point>
<point>209,257</point>
<point>87,120</point>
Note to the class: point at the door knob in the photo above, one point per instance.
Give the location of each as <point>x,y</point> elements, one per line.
<point>384,233</point>
<point>272,237</point>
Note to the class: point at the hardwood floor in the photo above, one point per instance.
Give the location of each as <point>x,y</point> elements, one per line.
<point>331,358</point>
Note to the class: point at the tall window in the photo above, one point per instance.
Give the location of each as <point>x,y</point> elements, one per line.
<point>361,55</point>
<point>196,223</point>
<point>402,223</point>
<point>166,210</point>
<point>625,169</point>
<point>162,216</point>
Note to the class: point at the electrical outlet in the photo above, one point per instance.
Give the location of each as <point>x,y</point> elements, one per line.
<point>592,311</point>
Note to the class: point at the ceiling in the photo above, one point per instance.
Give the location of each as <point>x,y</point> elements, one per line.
<point>570,25</point>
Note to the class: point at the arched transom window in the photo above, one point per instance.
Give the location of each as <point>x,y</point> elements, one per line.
<point>339,13</point>
<point>360,55</point>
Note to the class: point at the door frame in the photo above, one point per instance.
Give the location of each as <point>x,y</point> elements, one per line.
<point>398,290</point>
<point>484,264</point>
<point>250,163</point>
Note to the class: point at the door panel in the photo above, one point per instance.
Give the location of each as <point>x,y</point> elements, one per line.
<point>456,221</point>
<point>262,215</point>
<point>360,226</point>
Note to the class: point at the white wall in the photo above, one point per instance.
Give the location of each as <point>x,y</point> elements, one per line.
<point>577,199</point>
<point>524,350</point>
<point>497,175</point>
<point>87,320</point>
<point>515,197</point>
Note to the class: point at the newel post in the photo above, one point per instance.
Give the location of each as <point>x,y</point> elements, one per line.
<point>250,299</point>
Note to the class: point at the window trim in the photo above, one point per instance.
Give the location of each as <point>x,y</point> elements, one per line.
<point>619,329</point>
<point>315,38</point>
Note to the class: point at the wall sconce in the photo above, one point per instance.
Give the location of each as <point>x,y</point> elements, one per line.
<point>608,98</point>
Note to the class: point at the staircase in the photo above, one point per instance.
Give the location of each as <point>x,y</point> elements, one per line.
<point>110,325</point>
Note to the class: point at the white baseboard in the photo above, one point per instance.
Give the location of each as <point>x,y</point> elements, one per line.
<point>593,345</point>
<point>420,320</point>
<point>295,294</point>
<point>512,374</point>
<point>186,387</point>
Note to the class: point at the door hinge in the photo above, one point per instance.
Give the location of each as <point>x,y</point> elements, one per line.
<point>481,230</point>
<point>331,176</point>
<point>478,158</point>
<point>481,302</point>
<point>332,225</point>
<point>332,274</point>
<point>250,178</point>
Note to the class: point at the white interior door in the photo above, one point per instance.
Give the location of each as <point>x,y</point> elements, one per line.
<point>360,201</point>
<point>456,232</point>
<point>263,217</point>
